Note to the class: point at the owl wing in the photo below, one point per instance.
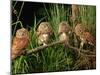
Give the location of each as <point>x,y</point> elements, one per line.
<point>18,45</point>
<point>90,39</point>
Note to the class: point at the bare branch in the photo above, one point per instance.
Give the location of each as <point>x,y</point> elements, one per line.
<point>88,55</point>
<point>82,50</point>
<point>42,47</point>
<point>58,42</point>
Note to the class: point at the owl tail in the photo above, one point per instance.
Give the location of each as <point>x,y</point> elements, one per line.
<point>13,56</point>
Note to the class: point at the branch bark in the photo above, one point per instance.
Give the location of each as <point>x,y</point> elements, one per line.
<point>42,47</point>
<point>88,52</point>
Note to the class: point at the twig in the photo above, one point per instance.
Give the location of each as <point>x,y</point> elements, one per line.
<point>75,13</point>
<point>59,42</point>
<point>20,11</point>
<point>88,55</point>
<point>82,50</point>
<point>42,47</point>
<point>15,4</point>
<point>18,22</point>
<point>18,17</point>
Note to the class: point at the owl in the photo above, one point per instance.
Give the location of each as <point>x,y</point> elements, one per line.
<point>84,35</point>
<point>44,31</point>
<point>20,42</point>
<point>64,31</point>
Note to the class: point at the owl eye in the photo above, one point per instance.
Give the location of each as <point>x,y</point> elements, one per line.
<point>19,34</point>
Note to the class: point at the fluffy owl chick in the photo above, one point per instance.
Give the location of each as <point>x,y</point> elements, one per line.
<point>63,31</point>
<point>44,31</point>
<point>20,42</point>
<point>84,35</point>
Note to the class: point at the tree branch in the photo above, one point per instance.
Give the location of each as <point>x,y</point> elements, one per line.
<point>82,50</point>
<point>42,47</point>
<point>88,52</point>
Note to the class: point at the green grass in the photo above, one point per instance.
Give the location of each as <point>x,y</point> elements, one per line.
<point>88,17</point>
<point>58,57</point>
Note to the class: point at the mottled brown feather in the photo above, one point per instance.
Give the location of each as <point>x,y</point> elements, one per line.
<point>44,28</point>
<point>89,38</point>
<point>20,42</point>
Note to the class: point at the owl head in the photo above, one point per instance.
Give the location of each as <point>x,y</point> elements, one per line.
<point>44,28</point>
<point>64,28</point>
<point>79,29</point>
<point>21,33</point>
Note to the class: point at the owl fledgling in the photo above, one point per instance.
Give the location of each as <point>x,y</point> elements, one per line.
<point>20,41</point>
<point>44,31</point>
<point>63,31</point>
<point>84,35</point>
